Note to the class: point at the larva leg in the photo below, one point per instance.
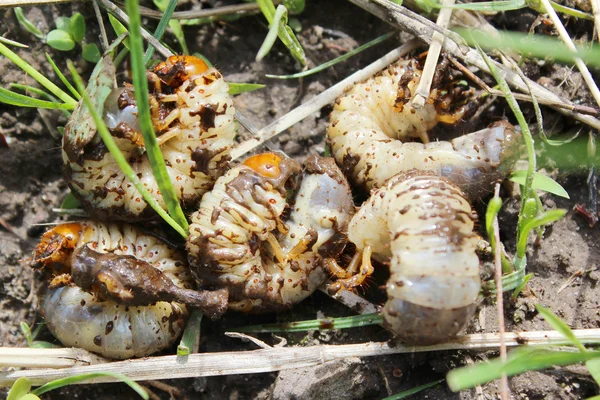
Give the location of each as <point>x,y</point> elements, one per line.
<point>114,290</point>
<point>353,280</point>
<point>423,226</point>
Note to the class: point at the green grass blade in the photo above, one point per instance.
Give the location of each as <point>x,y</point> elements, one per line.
<point>62,77</point>
<point>314,324</point>
<point>140,84</point>
<point>509,282</point>
<point>119,29</point>
<point>538,46</point>
<point>34,90</point>
<point>540,182</point>
<point>519,361</point>
<point>238,88</point>
<point>45,82</point>
<point>594,367</point>
<point>269,41</point>
<point>191,334</point>
<point>12,43</point>
<point>116,153</point>
<point>16,99</point>
<point>167,7</point>
<point>30,27</point>
<point>412,391</point>
<point>490,6</point>
<point>335,60</point>
<point>520,288</point>
<point>560,326</point>
<point>572,12</point>
<point>541,220</point>
<point>84,377</point>
<point>285,33</point>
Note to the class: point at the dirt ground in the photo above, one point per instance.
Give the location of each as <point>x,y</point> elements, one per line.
<point>31,185</point>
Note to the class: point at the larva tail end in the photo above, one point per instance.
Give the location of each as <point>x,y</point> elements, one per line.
<point>419,325</point>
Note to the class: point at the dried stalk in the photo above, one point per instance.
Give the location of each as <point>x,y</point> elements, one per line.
<point>596,13</point>
<point>276,358</point>
<point>424,86</point>
<point>28,3</point>
<point>564,36</point>
<point>407,20</point>
<point>17,357</point>
<point>318,102</point>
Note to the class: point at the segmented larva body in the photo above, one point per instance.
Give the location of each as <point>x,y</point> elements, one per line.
<point>239,240</point>
<point>193,116</point>
<point>422,224</point>
<point>370,121</point>
<point>81,318</point>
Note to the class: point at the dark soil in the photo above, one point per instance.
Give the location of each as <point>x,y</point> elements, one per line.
<point>564,263</point>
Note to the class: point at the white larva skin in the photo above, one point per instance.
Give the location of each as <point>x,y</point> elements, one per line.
<point>323,205</point>
<point>116,331</point>
<point>101,184</point>
<point>423,226</point>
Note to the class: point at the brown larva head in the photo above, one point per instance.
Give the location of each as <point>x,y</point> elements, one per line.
<point>56,245</point>
<point>177,69</point>
<point>266,164</point>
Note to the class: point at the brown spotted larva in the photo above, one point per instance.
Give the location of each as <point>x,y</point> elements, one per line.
<point>192,115</point>
<point>240,240</point>
<point>108,289</point>
<point>423,226</point>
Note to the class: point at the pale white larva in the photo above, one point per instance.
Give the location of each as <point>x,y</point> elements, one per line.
<point>240,239</point>
<point>193,116</point>
<point>369,123</point>
<point>107,283</point>
<point>422,225</point>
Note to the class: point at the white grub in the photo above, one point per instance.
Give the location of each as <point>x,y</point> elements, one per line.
<point>239,238</point>
<point>193,117</point>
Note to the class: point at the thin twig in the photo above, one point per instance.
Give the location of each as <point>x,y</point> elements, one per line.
<point>318,102</point>
<point>504,394</point>
<point>214,13</point>
<point>424,86</point>
<point>564,36</point>
<point>404,19</point>
<point>596,13</point>
<point>276,359</point>
<point>105,43</point>
<point>113,9</point>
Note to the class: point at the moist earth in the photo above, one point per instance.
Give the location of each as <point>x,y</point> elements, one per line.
<point>564,261</point>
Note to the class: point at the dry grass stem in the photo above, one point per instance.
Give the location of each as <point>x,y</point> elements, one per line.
<point>18,357</point>
<point>318,102</point>
<point>596,13</point>
<point>28,3</point>
<point>404,19</point>
<point>424,87</point>
<point>105,43</point>
<point>564,36</point>
<point>352,301</point>
<point>274,359</point>
<point>234,9</point>
<point>504,393</point>
<point>117,12</point>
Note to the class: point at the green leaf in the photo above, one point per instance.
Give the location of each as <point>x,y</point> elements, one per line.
<point>63,23</point>
<point>77,27</point>
<point>490,6</point>
<point>119,29</point>
<point>83,377</point>
<point>238,88</point>
<point>19,100</point>
<point>520,288</point>
<point>543,219</point>
<point>26,330</point>
<point>60,40</point>
<point>594,367</point>
<point>521,360</point>
<point>540,182</point>
<point>285,33</point>
<point>294,6</point>
<point>140,84</point>
<point>314,324</point>
<point>91,53</point>
<point>560,326</point>
<point>335,60</point>
<point>70,202</point>
<point>19,389</point>
<point>168,7</point>
<point>412,391</point>
<point>62,77</point>
<point>27,24</point>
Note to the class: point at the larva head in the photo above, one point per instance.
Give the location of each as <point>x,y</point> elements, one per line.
<point>177,69</point>
<point>56,245</point>
<point>266,164</point>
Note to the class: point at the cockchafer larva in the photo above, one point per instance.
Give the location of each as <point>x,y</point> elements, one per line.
<point>193,116</point>
<point>116,291</point>
<point>240,240</point>
<point>422,225</point>
<point>367,121</point>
